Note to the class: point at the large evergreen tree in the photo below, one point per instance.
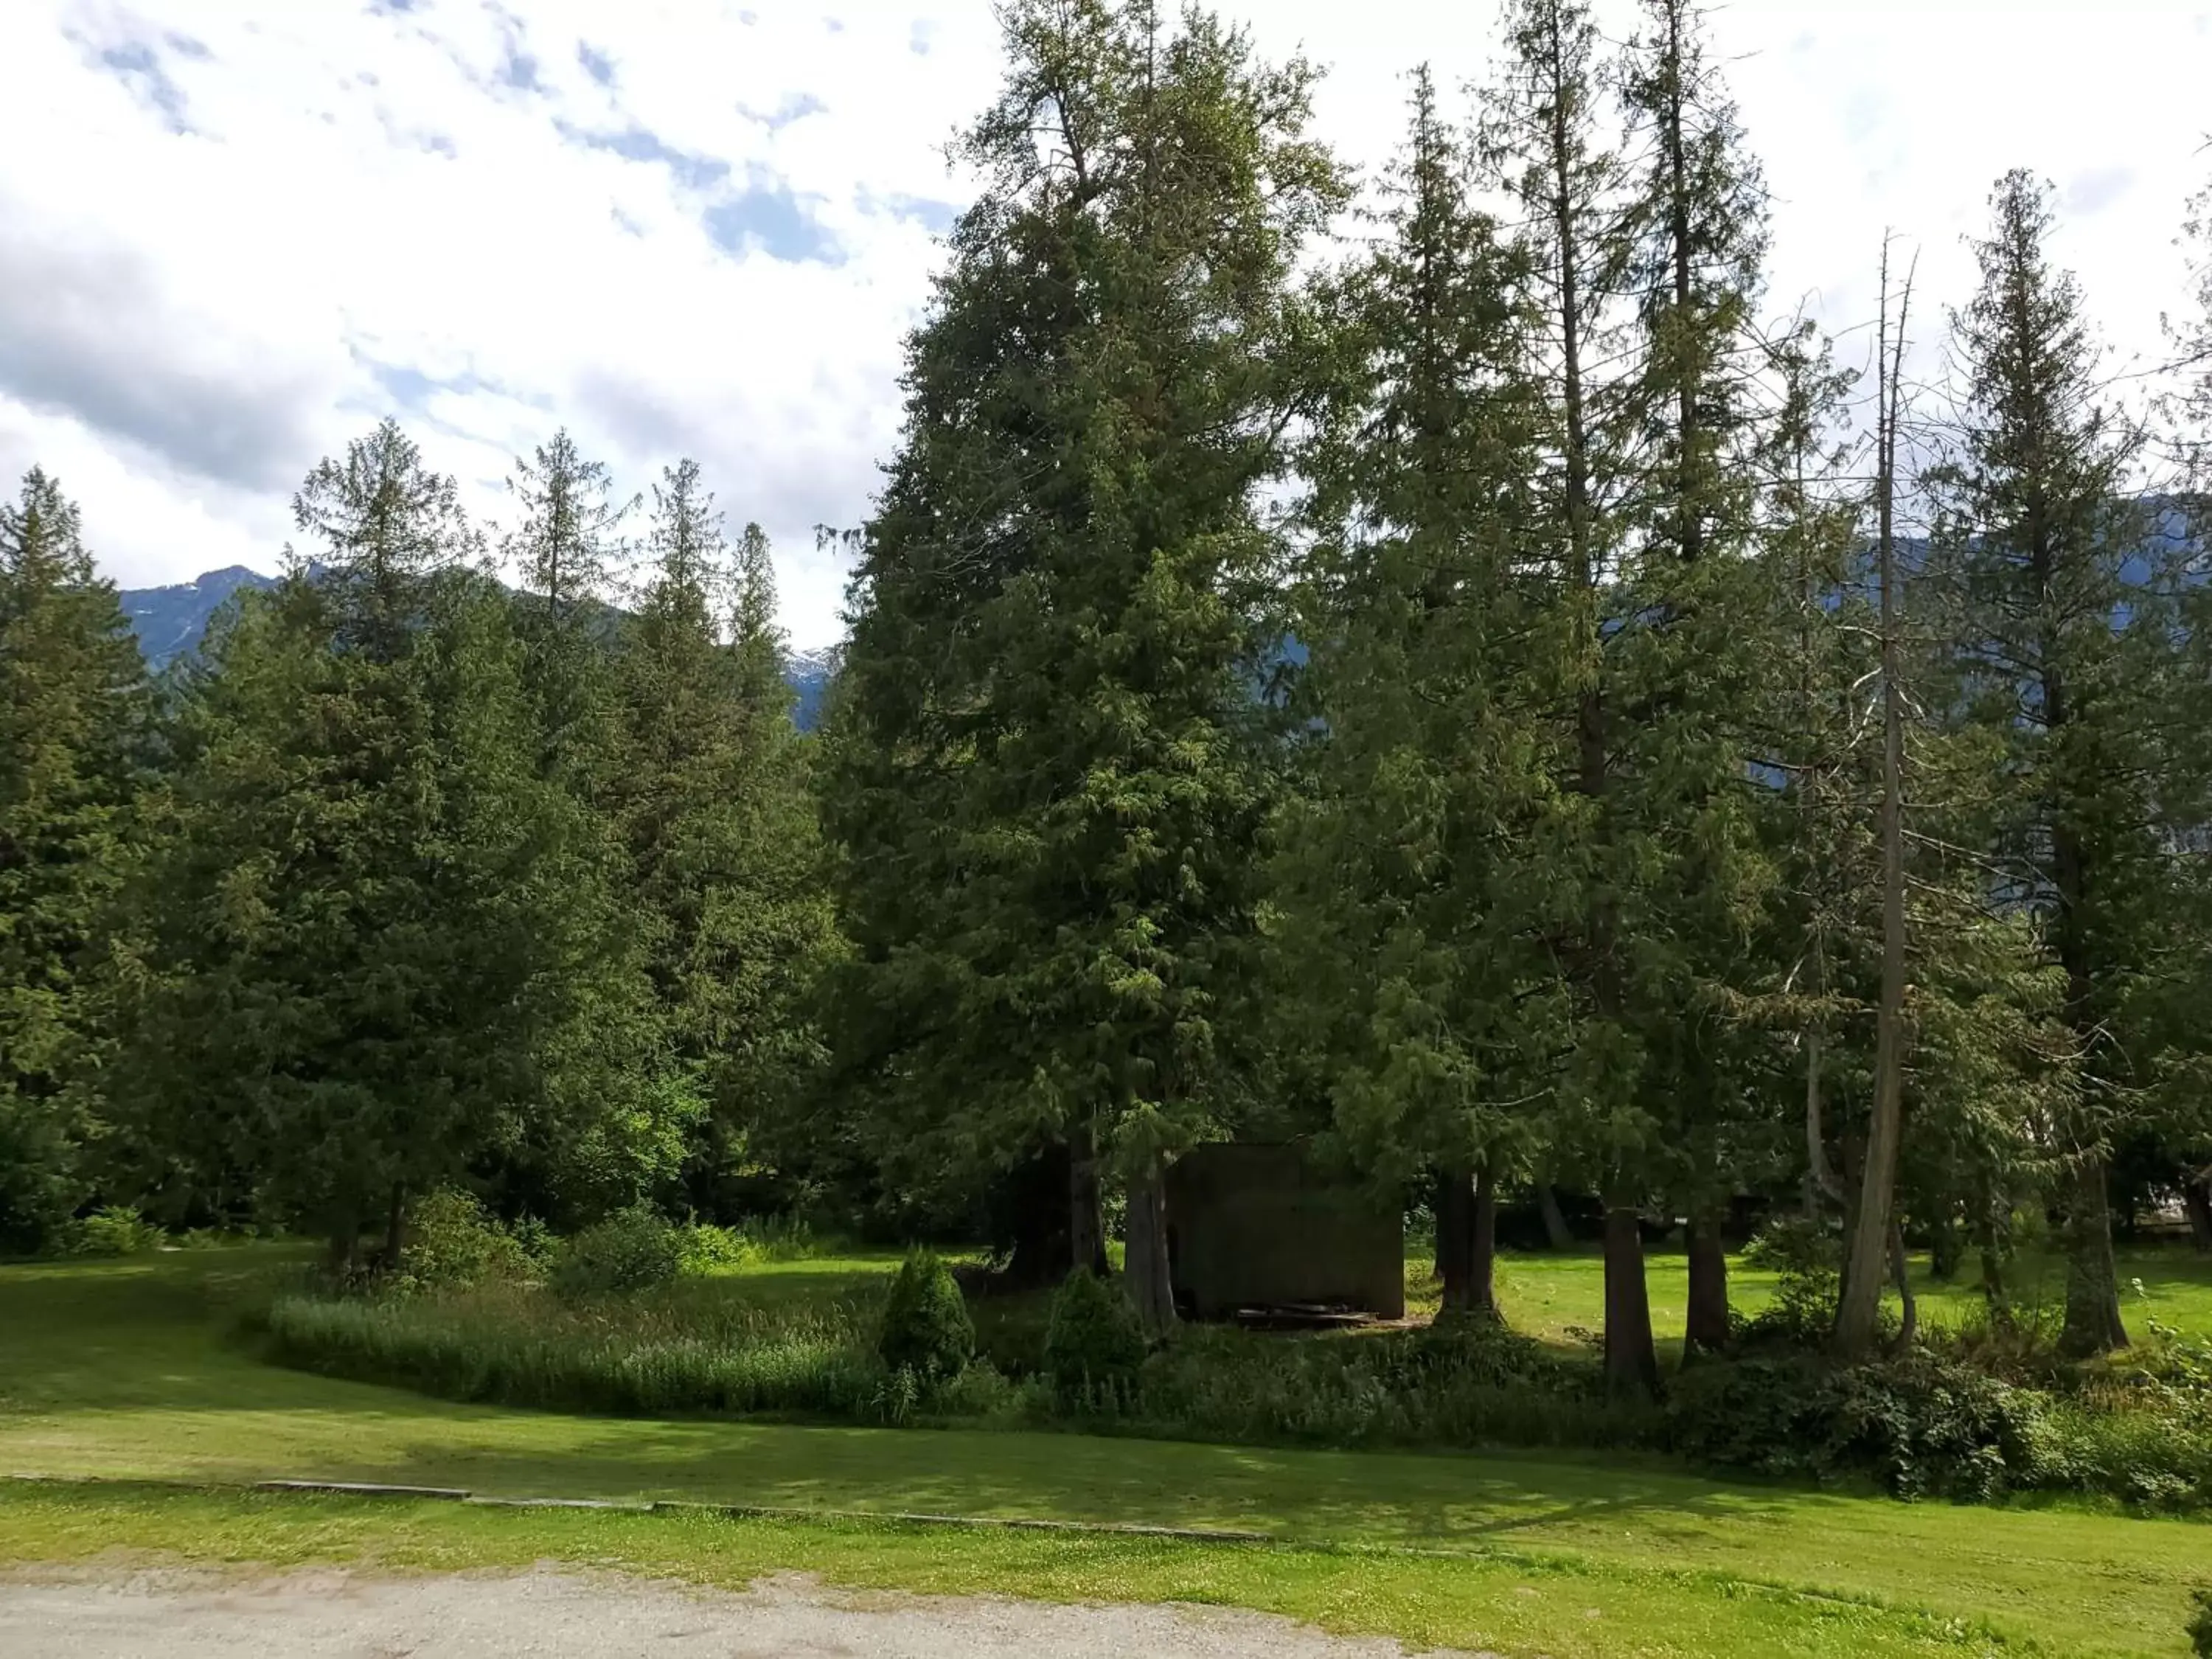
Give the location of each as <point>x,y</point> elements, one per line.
<point>1048,785</point>
<point>74,717</point>
<point>2065,633</point>
<point>1414,889</point>
<point>365,966</point>
<point>717,825</point>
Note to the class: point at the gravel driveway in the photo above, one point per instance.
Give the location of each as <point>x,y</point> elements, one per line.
<point>334,1614</point>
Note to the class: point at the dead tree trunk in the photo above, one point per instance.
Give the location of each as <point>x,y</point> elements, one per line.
<point>1856,1317</point>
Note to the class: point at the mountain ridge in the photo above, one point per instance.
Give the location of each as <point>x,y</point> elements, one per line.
<point>169,622</point>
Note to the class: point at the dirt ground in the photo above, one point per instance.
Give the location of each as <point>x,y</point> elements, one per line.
<point>560,1614</point>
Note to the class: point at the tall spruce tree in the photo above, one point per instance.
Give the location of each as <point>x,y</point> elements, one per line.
<point>2064,636</point>
<point>73,718</point>
<point>1415,902</point>
<point>1549,145</point>
<point>719,827</point>
<point>566,555</point>
<point>1047,786</point>
<point>1694,640</point>
<point>365,967</point>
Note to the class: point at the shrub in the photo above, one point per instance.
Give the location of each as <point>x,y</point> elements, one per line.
<point>453,1243</point>
<point>926,1329</point>
<point>115,1229</point>
<point>1094,1348</point>
<point>705,1249</point>
<point>1921,1426</point>
<point>2200,1623</point>
<point>631,1250</point>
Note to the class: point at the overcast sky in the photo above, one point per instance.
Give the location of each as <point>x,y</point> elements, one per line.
<point>234,234</point>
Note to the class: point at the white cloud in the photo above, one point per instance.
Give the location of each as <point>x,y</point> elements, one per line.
<point>495,219</point>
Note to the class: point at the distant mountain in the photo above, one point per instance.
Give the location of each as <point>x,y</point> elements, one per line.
<point>170,623</point>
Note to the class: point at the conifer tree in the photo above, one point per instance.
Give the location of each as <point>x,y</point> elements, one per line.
<point>1547,143</point>
<point>74,717</point>
<point>2065,630</point>
<point>717,825</point>
<point>1048,787</point>
<point>1414,904</point>
<point>368,963</point>
<point>1694,639</point>
<point>566,555</point>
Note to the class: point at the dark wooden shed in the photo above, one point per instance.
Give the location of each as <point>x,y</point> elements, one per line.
<point>1252,1226</point>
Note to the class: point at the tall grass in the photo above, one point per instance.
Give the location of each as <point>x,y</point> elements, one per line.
<point>677,1350</point>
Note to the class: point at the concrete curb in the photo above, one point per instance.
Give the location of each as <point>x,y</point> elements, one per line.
<point>371,1489</point>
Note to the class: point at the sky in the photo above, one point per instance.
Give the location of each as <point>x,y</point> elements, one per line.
<point>234,234</point>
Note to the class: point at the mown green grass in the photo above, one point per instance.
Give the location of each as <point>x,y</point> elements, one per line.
<point>1520,1604</point>
<point>1553,1296</point>
<point>118,1370</point>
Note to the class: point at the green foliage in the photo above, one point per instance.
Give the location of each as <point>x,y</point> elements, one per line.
<point>111,1230</point>
<point>632,1250</point>
<point>650,1354</point>
<point>73,718</point>
<point>926,1328</point>
<point>713,809</point>
<point>373,948</point>
<point>1094,1347</point>
<point>2199,1630</point>
<point>1048,778</point>
<point>453,1243</point>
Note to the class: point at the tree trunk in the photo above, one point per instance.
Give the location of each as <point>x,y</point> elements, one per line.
<point>1855,1319</point>
<point>1631,1364</point>
<point>1947,1248</point>
<point>1086,1224</point>
<point>2092,1280</point>
<point>1819,1185</point>
<point>1456,1239</point>
<point>1989,1238</point>
<point>1483,1252</point>
<point>395,1228</point>
<point>1555,1223</point>
<point>344,1253</point>
<point>1707,1331</point>
<point>1145,1261</point>
<point>2196,1199</point>
<point>1909,1327</point>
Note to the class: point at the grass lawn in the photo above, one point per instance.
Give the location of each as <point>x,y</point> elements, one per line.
<point>118,1371</point>
<point>1551,1296</point>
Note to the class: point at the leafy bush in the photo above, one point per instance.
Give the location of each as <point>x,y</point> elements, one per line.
<point>454,1243</point>
<point>2200,1623</point>
<point>1920,1425</point>
<point>926,1329</point>
<point>631,1250</point>
<point>115,1229</point>
<point>705,1249</point>
<point>1094,1348</point>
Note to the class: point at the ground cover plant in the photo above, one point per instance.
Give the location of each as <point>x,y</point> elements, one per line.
<point>124,1371</point>
<point>870,1340</point>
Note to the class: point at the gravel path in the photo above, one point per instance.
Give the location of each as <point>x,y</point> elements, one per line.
<point>564,1615</point>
